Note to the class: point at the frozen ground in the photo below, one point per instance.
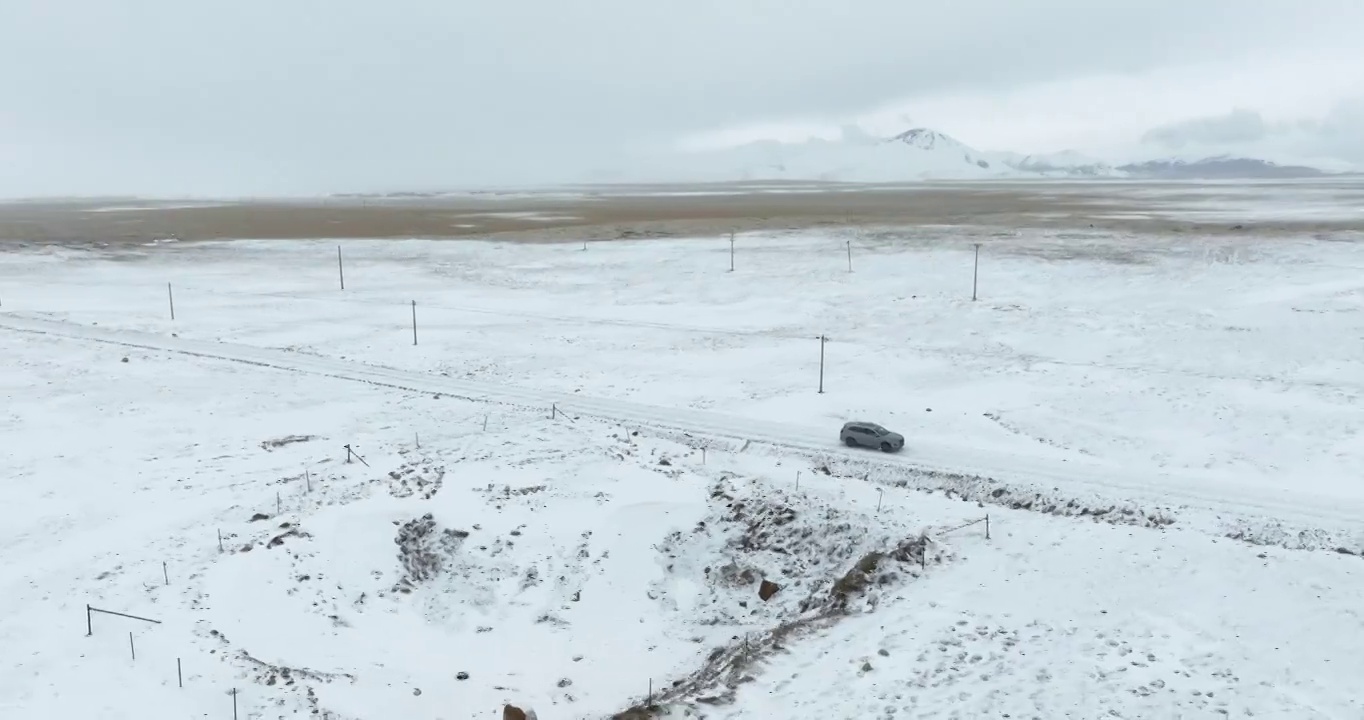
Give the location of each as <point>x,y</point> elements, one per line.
<point>1223,368</point>
<point>1137,625</point>
<point>1180,392</point>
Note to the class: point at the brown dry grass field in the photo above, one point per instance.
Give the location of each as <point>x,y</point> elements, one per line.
<point>600,213</point>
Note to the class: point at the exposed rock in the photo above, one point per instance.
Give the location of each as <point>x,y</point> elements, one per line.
<point>461,675</point>
<point>511,712</point>
<point>278,540</point>
<point>424,549</point>
<point>271,674</point>
<point>733,575</point>
<point>857,578</point>
<point>286,440</point>
<point>421,479</point>
<point>767,589</point>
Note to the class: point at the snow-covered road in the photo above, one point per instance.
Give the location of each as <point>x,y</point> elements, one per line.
<point>1072,474</point>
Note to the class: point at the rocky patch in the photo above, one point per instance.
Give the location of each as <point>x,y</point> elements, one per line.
<point>276,443</point>
<point>990,491</point>
<point>987,491</point>
<point>425,550</point>
<point>761,560</point>
<point>300,681</point>
<point>421,479</point>
<point>271,674</point>
<point>728,667</point>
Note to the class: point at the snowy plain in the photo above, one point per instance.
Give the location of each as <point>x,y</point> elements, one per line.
<point>1213,383</point>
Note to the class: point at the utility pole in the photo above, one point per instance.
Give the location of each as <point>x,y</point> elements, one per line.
<point>414,322</point>
<point>340,269</point>
<point>731,252</point>
<point>975,274</point>
<point>822,339</point>
<point>849,256</point>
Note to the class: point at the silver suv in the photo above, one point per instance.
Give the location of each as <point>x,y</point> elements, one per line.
<point>865,434</point>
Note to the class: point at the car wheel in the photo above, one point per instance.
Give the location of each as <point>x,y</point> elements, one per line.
<point>850,442</point>
<point>885,447</point>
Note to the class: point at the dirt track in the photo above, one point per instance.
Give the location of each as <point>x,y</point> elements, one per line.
<point>606,214</point>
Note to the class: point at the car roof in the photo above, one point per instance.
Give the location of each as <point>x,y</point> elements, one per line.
<point>861,423</point>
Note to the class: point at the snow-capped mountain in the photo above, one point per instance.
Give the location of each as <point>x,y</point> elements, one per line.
<point>1222,167</point>
<point>917,154</point>
<point>927,154</point>
<point>938,146</point>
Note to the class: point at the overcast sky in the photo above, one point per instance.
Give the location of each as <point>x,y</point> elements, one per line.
<point>296,96</point>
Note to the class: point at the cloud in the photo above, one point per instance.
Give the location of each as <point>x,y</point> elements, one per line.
<point>1109,114</point>
<point>1340,133</point>
<point>1237,126</point>
<point>1333,135</point>
<point>311,96</point>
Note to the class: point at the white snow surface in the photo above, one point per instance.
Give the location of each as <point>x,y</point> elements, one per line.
<point>582,547</point>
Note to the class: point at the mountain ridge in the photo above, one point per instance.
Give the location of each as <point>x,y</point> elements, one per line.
<point>923,153</point>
